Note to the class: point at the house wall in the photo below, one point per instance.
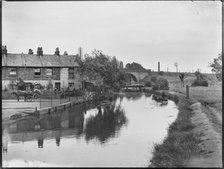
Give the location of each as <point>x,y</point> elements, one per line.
<point>64,77</point>
<point>27,74</point>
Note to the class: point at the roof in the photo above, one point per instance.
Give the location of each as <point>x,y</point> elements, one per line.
<point>21,60</point>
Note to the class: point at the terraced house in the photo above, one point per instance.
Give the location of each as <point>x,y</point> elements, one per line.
<point>61,71</point>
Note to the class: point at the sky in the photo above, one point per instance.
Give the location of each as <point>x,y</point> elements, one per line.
<point>146,32</point>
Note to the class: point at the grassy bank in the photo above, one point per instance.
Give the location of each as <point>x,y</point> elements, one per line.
<point>181,142</point>
<point>211,95</point>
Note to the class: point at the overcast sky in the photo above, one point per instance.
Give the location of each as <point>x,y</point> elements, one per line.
<point>145,32</point>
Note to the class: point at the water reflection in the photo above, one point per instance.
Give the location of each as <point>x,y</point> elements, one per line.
<point>133,95</point>
<point>69,123</point>
<point>125,129</point>
<point>106,124</point>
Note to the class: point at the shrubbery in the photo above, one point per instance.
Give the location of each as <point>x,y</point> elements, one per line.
<point>148,84</point>
<point>161,84</point>
<point>199,83</point>
<point>153,79</point>
<point>161,73</point>
<point>200,80</point>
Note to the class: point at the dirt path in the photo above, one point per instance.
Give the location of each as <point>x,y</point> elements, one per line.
<point>208,122</point>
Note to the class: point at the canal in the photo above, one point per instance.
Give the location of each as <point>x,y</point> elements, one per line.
<point>121,133</point>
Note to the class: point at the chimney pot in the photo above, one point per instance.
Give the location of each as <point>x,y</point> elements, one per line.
<point>65,53</point>
<point>4,50</point>
<point>57,52</point>
<point>30,52</point>
<point>39,51</point>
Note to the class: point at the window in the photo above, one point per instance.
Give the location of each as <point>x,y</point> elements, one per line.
<point>71,74</point>
<point>37,71</point>
<point>58,86</point>
<point>12,71</point>
<point>49,72</point>
<point>71,86</point>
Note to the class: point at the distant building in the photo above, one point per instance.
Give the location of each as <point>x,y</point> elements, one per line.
<point>61,71</point>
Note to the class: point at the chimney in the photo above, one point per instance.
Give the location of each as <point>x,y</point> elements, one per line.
<point>80,52</point>
<point>158,66</point>
<point>39,51</point>
<point>65,53</point>
<point>57,52</point>
<point>30,52</point>
<point>4,50</point>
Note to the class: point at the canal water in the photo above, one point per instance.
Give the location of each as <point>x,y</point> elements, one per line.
<point>121,133</point>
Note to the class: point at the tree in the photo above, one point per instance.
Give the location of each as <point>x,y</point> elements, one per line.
<point>104,68</point>
<point>216,66</point>
<point>182,76</point>
<point>134,66</point>
<point>121,65</point>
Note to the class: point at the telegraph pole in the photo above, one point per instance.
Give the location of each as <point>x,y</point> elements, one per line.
<point>176,65</point>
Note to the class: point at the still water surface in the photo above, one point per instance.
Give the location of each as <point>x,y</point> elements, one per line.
<point>121,133</point>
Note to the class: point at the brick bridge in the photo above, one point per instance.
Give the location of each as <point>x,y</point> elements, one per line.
<point>136,76</point>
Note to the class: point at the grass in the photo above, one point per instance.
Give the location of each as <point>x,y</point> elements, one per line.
<point>211,95</point>
<point>181,142</point>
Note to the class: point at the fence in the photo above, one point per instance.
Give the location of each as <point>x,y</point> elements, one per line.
<point>51,99</point>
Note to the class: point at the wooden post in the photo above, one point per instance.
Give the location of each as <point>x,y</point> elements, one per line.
<point>187,91</point>
<point>51,98</point>
<point>69,95</point>
<point>40,101</point>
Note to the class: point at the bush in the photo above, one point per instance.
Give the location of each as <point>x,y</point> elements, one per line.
<point>200,83</point>
<point>219,76</point>
<point>161,84</point>
<point>153,79</point>
<point>148,84</point>
<point>155,87</point>
<point>161,73</point>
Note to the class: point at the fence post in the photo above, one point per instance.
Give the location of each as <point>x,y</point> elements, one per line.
<point>40,101</point>
<point>60,97</point>
<point>51,98</point>
<point>187,91</point>
<point>69,95</point>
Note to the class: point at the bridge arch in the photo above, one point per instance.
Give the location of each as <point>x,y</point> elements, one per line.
<point>132,77</point>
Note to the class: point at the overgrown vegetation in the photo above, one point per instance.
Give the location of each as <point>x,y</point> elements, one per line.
<point>103,69</point>
<point>200,80</point>
<point>181,142</point>
<point>216,66</point>
<point>161,84</point>
<point>161,73</point>
<point>182,76</point>
<point>134,66</point>
<point>148,84</point>
<point>200,83</point>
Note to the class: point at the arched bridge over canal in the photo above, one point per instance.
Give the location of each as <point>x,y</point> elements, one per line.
<point>136,76</point>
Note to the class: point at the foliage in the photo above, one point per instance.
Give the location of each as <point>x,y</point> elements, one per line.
<point>200,83</point>
<point>134,66</point>
<point>161,84</point>
<point>104,125</point>
<point>100,67</point>
<point>216,66</point>
<point>148,84</point>
<point>182,76</point>
<point>200,80</point>
<point>153,79</point>
<point>180,144</point>
<point>161,73</point>
<point>199,76</point>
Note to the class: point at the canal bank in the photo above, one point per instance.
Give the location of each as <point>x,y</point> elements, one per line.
<point>116,133</point>
<point>192,140</point>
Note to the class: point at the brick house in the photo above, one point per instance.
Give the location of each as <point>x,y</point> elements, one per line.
<point>61,71</point>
